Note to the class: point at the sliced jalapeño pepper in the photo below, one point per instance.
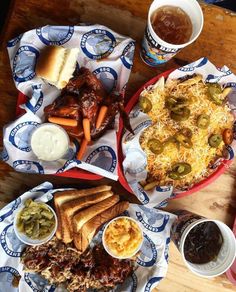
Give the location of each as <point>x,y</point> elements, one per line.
<point>174,175</point>
<point>179,170</point>
<point>183,140</point>
<point>155,146</point>
<point>170,140</point>
<point>215,140</point>
<point>145,104</point>
<point>214,92</point>
<point>170,102</point>
<point>186,132</point>
<point>180,114</point>
<point>176,103</point>
<point>203,121</point>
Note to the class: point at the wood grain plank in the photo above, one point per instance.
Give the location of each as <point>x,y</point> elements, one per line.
<point>217,42</point>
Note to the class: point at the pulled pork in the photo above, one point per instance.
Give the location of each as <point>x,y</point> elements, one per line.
<point>60,263</point>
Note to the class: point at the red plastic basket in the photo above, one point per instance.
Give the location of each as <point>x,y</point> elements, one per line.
<point>74,172</point>
<point>134,99</point>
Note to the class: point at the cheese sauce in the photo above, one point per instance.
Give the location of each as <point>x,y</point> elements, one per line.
<point>49,142</point>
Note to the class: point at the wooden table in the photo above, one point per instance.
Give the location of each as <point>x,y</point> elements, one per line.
<point>217,42</point>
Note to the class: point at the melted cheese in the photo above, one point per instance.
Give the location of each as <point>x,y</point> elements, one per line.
<point>201,155</point>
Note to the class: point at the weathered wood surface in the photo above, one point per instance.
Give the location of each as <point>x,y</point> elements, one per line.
<point>217,42</point>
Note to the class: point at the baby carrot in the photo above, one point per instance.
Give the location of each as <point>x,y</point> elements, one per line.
<point>86,127</point>
<point>82,149</point>
<point>63,121</point>
<point>101,116</point>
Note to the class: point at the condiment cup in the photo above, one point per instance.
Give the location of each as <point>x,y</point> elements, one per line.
<point>107,248</point>
<point>224,259</point>
<point>56,127</point>
<point>29,241</point>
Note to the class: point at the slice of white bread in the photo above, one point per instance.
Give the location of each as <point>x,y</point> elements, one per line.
<point>85,215</point>
<point>68,67</point>
<point>56,65</point>
<point>90,228</point>
<point>69,210</point>
<point>66,196</point>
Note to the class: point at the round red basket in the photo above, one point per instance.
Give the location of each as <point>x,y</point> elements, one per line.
<point>132,102</point>
<point>74,172</point>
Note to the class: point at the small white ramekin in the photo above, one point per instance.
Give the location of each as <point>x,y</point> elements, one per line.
<point>27,240</point>
<point>106,247</point>
<point>59,128</point>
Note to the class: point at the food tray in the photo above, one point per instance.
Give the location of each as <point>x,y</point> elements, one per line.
<point>115,54</point>
<point>231,273</point>
<point>74,172</point>
<point>197,187</point>
<point>152,261</point>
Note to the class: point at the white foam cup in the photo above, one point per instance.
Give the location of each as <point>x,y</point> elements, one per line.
<point>156,51</point>
<point>225,257</point>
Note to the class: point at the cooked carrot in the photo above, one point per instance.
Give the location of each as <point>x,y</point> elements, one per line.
<point>101,116</point>
<point>82,149</point>
<point>63,121</point>
<point>86,127</point>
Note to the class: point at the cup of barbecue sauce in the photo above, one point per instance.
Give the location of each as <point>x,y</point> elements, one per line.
<point>208,247</point>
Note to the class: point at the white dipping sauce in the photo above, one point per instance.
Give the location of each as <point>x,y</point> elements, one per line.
<point>49,142</point>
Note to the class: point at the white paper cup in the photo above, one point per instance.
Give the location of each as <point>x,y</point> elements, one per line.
<point>225,257</point>
<point>184,224</point>
<point>154,50</point>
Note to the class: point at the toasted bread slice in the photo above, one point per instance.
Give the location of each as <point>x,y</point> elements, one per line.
<point>90,228</point>
<point>69,209</point>
<point>85,215</point>
<point>66,196</point>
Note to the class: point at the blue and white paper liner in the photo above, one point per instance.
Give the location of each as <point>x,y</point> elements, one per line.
<point>152,262</point>
<point>134,164</point>
<point>107,54</point>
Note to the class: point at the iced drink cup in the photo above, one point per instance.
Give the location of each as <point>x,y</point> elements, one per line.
<point>156,51</point>
<point>185,225</point>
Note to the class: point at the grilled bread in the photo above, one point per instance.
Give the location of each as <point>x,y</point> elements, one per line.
<point>85,215</point>
<point>70,208</point>
<point>90,228</point>
<point>63,197</point>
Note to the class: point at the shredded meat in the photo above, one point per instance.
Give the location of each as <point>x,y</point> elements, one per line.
<point>61,263</point>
